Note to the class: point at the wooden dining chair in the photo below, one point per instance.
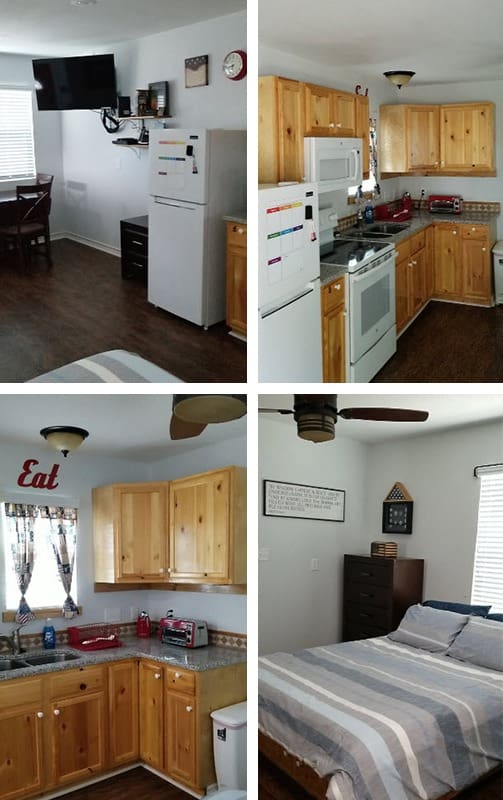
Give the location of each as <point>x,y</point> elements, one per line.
<point>30,234</point>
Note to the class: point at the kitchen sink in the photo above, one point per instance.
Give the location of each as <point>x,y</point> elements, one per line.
<point>387,227</point>
<point>49,658</point>
<point>11,663</point>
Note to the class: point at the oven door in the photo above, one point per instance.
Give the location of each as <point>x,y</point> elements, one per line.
<point>371,305</point>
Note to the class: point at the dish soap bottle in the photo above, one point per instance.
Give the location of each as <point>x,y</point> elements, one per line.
<point>49,636</point>
<point>143,625</point>
<point>369,211</point>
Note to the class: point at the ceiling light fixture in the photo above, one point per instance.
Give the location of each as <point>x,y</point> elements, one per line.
<point>207,408</point>
<point>399,77</point>
<point>64,437</point>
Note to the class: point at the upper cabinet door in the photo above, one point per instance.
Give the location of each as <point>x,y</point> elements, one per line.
<point>319,111</point>
<point>423,137</point>
<point>344,112</point>
<point>467,138</point>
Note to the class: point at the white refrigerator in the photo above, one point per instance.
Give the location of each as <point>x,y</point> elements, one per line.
<point>289,324</point>
<point>197,177</point>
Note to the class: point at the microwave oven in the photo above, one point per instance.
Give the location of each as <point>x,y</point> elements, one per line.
<point>333,162</point>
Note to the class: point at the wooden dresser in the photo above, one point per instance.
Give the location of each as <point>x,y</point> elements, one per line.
<point>377,593</point>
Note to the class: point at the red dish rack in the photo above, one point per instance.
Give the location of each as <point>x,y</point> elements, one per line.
<point>93,637</point>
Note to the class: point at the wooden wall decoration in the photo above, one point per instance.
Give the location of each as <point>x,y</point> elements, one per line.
<point>397,510</point>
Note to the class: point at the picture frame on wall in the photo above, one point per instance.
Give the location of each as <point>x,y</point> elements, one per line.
<point>196,71</point>
<point>296,500</point>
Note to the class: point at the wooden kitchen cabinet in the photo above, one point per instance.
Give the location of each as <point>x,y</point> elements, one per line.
<point>151,713</point>
<point>130,533</point>
<point>21,731</point>
<point>448,278</point>
<point>181,741</point>
<point>236,277</point>
<point>475,246</point>
<point>467,138</point>
<point>328,112</point>
<point>76,737</point>
<point>123,739</point>
<point>280,130</point>
<point>333,310</point>
<point>207,514</point>
<point>410,278</point>
<point>455,139</point>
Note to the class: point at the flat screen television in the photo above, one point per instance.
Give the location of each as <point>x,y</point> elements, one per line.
<point>75,82</point>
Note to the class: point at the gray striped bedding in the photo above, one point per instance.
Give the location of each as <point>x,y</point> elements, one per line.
<point>112,366</point>
<point>385,720</point>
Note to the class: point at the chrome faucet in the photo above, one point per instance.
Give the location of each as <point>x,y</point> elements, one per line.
<point>14,641</point>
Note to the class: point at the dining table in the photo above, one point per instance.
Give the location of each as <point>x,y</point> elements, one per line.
<point>8,207</point>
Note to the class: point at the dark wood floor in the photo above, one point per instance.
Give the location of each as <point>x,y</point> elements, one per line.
<point>82,306</point>
<point>449,343</point>
<point>136,784</point>
<point>274,785</point>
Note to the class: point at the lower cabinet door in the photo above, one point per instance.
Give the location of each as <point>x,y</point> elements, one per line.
<point>181,738</point>
<point>123,712</point>
<point>78,738</point>
<point>20,753</point>
<point>151,681</point>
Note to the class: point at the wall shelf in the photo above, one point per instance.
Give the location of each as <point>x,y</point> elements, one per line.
<point>137,144</point>
<point>149,116</point>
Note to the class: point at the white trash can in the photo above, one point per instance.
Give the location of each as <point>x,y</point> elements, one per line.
<point>498,272</point>
<point>229,749</point>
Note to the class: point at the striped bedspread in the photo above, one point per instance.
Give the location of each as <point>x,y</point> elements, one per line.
<point>387,721</point>
<point>112,366</point>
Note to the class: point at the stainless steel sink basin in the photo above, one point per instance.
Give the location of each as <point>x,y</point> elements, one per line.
<point>387,227</point>
<point>49,658</point>
<point>11,663</point>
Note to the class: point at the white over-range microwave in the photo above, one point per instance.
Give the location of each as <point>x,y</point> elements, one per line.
<point>333,162</point>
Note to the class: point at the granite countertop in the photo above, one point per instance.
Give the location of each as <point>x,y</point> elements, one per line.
<point>198,659</point>
<point>239,217</point>
<point>420,221</point>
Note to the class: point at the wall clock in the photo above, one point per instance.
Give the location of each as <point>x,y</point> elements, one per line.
<point>234,65</point>
<point>397,511</point>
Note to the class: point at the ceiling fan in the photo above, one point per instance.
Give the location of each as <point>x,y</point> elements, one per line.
<point>316,415</point>
<point>193,412</point>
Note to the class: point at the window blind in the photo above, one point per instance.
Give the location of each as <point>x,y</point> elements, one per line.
<point>17,152</point>
<point>487,586</point>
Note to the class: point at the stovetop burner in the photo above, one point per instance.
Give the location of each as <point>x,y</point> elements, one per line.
<point>352,253</point>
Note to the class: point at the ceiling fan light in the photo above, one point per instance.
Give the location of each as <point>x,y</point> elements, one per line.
<point>399,77</point>
<point>209,408</point>
<point>64,438</point>
<point>316,427</point>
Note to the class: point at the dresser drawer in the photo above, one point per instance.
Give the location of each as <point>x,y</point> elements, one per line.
<point>134,266</point>
<point>236,234</point>
<point>417,242</point>
<point>332,295</point>
<point>368,615</point>
<point>134,242</point>
<point>20,692</point>
<point>368,572</point>
<point>181,680</point>
<point>366,593</point>
<point>362,631</point>
<point>478,232</point>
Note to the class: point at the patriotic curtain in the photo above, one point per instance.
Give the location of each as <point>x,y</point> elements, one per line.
<point>20,522</point>
<point>63,538</point>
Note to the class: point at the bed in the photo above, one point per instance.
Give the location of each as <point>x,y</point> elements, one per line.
<point>384,719</point>
<point>112,366</point>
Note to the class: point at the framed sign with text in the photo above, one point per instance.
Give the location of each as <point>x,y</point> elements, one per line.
<point>304,502</point>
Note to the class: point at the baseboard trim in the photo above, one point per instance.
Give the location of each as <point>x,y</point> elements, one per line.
<point>73,787</point>
<point>170,780</point>
<point>74,237</point>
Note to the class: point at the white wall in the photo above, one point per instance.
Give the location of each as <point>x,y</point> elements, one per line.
<point>16,72</point>
<point>296,606</point>
<point>299,608</point>
<point>105,183</point>
<point>437,470</point>
<point>78,474</point>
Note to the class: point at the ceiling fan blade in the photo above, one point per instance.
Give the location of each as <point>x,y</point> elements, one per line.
<point>385,414</point>
<point>275,411</point>
<point>179,429</point>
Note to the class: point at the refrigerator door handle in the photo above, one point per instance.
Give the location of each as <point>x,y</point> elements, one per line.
<point>184,206</point>
<point>309,289</point>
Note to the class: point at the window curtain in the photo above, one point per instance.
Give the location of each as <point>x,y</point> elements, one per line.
<point>63,538</point>
<point>20,522</point>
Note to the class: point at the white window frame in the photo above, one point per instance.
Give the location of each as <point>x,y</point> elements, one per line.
<point>16,136</point>
<point>487,587</point>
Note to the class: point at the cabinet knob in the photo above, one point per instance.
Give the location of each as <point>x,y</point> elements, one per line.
<point>454,233</point>
<point>236,229</point>
<point>178,674</point>
<point>474,229</point>
<point>157,675</point>
<point>331,125</point>
<point>484,249</point>
<point>40,714</point>
<point>161,570</point>
<point>57,712</point>
<point>188,708</point>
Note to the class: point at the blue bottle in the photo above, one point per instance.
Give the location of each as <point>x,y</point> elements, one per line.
<point>369,212</point>
<point>49,636</point>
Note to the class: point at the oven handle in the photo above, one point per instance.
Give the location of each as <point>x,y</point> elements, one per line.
<point>357,277</point>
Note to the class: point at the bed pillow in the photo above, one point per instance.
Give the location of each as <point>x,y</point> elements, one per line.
<point>429,628</point>
<point>458,608</point>
<point>498,617</point>
<point>481,643</point>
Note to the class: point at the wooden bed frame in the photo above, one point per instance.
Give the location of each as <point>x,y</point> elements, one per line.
<point>307,778</point>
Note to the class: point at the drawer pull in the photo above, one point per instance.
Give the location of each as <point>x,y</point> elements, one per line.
<point>188,708</point>
<point>237,230</point>
<point>135,264</point>
<point>367,616</point>
<point>364,594</point>
<point>57,712</point>
<point>157,675</point>
<point>135,241</point>
<point>40,714</point>
<point>367,574</point>
<point>83,686</point>
<point>178,674</point>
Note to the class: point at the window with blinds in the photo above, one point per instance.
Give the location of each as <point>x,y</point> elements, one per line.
<point>487,586</point>
<point>17,151</point>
